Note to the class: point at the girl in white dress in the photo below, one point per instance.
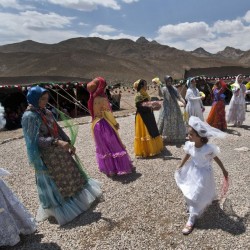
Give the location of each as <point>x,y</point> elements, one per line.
<point>14,218</point>
<point>194,100</point>
<point>236,112</point>
<point>195,177</point>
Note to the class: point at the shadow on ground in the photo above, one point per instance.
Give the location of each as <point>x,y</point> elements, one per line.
<point>224,218</point>
<point>32,242</point>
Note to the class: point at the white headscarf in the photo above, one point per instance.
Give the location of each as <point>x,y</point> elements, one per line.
<point>189,80</point>
<point>237,79</point>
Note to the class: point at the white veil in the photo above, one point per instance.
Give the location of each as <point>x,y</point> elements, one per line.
<point>204,129</point>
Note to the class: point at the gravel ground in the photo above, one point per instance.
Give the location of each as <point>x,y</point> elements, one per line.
<point>144,210</point>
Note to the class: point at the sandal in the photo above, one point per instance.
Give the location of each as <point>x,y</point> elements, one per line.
<point>187,229</point>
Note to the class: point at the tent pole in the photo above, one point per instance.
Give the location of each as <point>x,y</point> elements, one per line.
<point>75,103</point>
<point>57,103</point>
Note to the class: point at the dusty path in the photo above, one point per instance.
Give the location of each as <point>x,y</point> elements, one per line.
<point>144,210</point>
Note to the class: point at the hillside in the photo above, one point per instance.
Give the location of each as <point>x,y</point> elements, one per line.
<point>120,60</point>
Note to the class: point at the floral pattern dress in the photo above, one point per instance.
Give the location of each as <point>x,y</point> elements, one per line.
<point>170,123</point>
<point>64,189</point>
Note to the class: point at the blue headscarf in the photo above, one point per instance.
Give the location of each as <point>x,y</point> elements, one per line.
<point>34,95</point>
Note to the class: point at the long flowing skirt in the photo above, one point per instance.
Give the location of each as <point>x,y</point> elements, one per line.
<point>197,185</point>
<point>14,218</point>
<point>236,113</point>
<point>111,154</point>
<point>171,124</point>
<point>64,189</point>
<point>217,116</point>
<point>64,209</point>
<point>194,109</point>
<point>144,144</point>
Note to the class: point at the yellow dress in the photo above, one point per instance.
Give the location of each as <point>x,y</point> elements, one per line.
<point>148,141</point>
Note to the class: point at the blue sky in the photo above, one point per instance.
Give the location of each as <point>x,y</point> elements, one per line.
<point>183,24</point>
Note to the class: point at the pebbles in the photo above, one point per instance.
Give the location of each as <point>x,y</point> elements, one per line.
<point>145,210</point>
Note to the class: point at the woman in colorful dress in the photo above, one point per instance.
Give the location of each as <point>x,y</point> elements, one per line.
<point>14,218</point>
<point>194,100</point>
<point>237,112</point>
<point>217,114</point>
<point>64,189</point>
<point>111,154</point>
<point>148,141</point>
<point>170,123</point>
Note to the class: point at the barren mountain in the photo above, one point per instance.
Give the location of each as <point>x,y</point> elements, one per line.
<point>201,52</point>
<point>120,60</point>
<point>230,52</point>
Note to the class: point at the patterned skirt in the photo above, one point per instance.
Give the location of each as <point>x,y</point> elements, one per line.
<point>64,189</point>
<point>171,124</point>
<point>64,170</point>
<point>217,116</point>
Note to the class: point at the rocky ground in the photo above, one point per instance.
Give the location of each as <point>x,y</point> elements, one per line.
<point>144,210</point>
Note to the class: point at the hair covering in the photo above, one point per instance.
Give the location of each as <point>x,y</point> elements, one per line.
<point>96,88</point>
<point>236,85</point>
<point>34,94</point>
<point>166,77</point>
<point>189,80</point>
<point>157,81</point>
<point>138,84</point>
<point>141,93</point>
<point>237,78</point>
<point>204,129</point>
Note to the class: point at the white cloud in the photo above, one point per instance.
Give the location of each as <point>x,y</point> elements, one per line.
<point>86,5</point>
<point>222,33</point>
<point>49,28</point>
<point>169,33</point>
<point>104,29</point>
<point>130,1</point>
<point>14,4</point>
<point>247,17</point>
<point>228,26</point>
<point>37,21</point>
<point>114,37</point>
<point>83,24</point>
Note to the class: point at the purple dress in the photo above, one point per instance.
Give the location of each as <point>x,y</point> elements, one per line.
<point>111,155</point>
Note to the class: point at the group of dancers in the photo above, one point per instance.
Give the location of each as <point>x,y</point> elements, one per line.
<point>64,188</point>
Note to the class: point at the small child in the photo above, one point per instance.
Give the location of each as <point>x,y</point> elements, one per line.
<point>14,218</point>
<point>195,177</point>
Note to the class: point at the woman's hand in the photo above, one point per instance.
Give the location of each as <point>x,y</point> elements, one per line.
<point>117,126</point>
<point>72,150</point>
<point>225,173</point>
<point>64,144</point>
